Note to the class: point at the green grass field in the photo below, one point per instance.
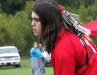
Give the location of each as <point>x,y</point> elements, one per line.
<point>25,69</point>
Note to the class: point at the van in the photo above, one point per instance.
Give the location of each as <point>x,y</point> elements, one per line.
<point>9,56</point>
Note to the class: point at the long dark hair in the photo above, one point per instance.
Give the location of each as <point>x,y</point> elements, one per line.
<point>50,17</point>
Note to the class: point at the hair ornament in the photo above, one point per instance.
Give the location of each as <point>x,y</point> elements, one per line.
<point>72,20</point>
<point>61,8</point>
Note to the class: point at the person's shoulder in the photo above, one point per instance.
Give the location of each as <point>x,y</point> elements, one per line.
<point>69,36</point>
<point>32,48</point>
<point>68,40</point>
<point>38,49</point>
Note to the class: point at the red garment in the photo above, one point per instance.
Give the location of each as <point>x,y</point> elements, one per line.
<point>69,54</point>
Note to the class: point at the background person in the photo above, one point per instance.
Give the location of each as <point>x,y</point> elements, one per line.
<point>72,52</point>
<point>36,60</point>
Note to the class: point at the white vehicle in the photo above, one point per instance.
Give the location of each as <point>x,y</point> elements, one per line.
<point>9,56</point>
<point>47,56</point>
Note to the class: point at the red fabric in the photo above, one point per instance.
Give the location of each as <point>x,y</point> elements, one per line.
<point>68,55</point>
<point>92,26</point>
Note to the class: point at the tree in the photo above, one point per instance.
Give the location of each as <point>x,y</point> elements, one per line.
<point>93,10</point>
<point>12,6</point>
<point>75,3</point>
<point>16,29</point>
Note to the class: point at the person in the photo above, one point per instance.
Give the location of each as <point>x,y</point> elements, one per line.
<point>61,33</point>
<point>36,60</point>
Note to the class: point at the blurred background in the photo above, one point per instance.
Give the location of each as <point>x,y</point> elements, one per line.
<point>15,20</point>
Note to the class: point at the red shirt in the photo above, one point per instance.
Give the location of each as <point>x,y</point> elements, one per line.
<point>68,54</point>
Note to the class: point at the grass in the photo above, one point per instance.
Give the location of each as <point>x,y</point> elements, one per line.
<point>25,69</point>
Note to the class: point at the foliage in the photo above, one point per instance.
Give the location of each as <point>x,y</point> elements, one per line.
<point>93,10</point>
<point>16,30</point>
<point>83,14</point>
<point>75,3</point>
<point>12,6</point>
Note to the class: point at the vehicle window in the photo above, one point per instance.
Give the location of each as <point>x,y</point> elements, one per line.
<point>8,50</point>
